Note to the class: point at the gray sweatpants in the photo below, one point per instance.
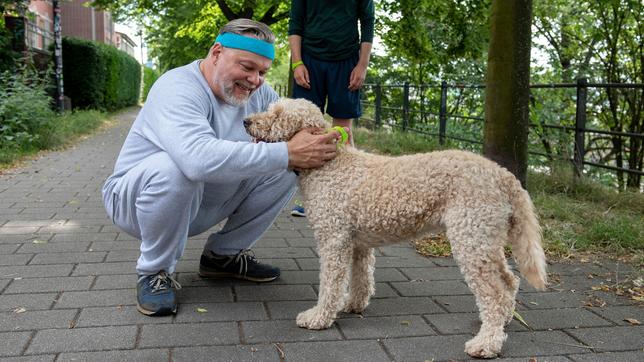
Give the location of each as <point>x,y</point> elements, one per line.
<point>157,204</point>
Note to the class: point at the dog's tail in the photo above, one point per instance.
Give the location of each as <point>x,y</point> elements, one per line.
<point>525,237</point>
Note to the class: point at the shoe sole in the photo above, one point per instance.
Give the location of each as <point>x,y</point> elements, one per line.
<point>297,213</point>
<point>152,313</point>
<point>219,275</point>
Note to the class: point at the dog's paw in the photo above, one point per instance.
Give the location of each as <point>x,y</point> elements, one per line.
<point>314,319</point>
<point>478,348</point>
<point>355,307</point>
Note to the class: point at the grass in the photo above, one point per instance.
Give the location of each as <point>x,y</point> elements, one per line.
<point>63,130</point>
<point>578,217</point>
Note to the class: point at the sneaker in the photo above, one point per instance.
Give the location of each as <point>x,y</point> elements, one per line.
<point>298,210</point>
<point>243,265</point>
<point>155,294</point>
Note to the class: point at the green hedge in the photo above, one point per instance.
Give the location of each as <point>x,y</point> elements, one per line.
<point>149,77</point>
<point>99,76</point>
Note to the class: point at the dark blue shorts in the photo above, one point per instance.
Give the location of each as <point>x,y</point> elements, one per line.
<point>330,86</point>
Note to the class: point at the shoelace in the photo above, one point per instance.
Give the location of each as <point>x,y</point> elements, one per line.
<point>242,258</point>
<point>162,280</point>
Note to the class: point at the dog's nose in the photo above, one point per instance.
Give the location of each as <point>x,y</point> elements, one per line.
<point>247,123</point>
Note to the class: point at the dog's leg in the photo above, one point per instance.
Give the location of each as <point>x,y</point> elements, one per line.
<point>362,284</point>
<point>479,253</point>
<point>334,267</point>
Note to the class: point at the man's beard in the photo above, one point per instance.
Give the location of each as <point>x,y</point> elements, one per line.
<point>228,88</point>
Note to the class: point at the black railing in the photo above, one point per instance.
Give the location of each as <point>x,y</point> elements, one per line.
<point>427,109</point>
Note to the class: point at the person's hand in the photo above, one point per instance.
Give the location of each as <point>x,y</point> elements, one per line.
<point>309,150</point>
<point>301,76</point>
<point>358,75</point>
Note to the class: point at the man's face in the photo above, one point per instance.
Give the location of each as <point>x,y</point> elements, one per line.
<point>237,74</point>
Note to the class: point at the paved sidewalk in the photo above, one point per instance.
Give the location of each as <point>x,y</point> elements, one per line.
<point>67,291</point>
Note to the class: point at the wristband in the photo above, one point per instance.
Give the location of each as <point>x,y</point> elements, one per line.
<point>296,64</point>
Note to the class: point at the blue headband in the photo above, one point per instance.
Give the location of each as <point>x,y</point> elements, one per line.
<point>253,45</point>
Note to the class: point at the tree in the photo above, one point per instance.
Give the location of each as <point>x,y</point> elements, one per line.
<point>507,86</point>
<point>179,31</point>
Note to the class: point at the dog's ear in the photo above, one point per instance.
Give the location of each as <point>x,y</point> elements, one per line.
<point>277,109</point>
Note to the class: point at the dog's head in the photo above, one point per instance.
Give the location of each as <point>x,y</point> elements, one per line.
<point>283,119</point>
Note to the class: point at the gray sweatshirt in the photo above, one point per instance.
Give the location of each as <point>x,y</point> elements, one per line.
<point>202,134</point>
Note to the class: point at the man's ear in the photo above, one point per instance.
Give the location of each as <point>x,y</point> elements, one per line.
<point>215,51</point>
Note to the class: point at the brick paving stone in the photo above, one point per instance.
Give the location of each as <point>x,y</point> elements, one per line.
<point>562,318</point>
<point>10,302</point>
<point>636,356</point>
<point>83,237</point>
<point>389,275</point>
<point>126,255</point>
<point>383,290</point>
<point>301,242</point>
<point>457,303</point>
<point>432,273</point>
<point>189,334</point>
<point>619,314</point>
<point>105,268</point>
<point>532,359</point>
<point>82,339</point>
<point>125,281</point>
<point>309,263</point>
<point>463,323</point>
<point>4,283</point>
<point>98,298</point>
<point>22,238</point>
<point>8,248</point>
<point>255,353</point>
<point>427,348</point>
<point>115,245</point>
<point>20,259</point>
<point>39,358</point>
<point>73,258</point>
<point>205,295</point>
<point>292,252</point>
<point>53,247</point>
<point>611,339</point>
<point>219,312</point>
<point>402,262</point>
<point>275,292</point>
<point>298,277</point>
<point>549,300</point>
<point>285,331</point>
<point>340,351</point>
<point>115,316</point>
<point>384,327</point>
<point>35,271</point>
<point>430,288</point>
<point>401,306</point>
<point>58,284</point>
<point>12,343</point>
<point>288,309</point>
<point>151,355</point>
<point>540,343</point>
<point>30,320</point>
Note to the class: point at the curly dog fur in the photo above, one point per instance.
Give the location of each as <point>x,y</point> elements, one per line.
<point>360,201</point>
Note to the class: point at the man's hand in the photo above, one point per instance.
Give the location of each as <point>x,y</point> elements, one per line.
<point>309,150</point>
<point>358,75</point>
<point>301,76</point>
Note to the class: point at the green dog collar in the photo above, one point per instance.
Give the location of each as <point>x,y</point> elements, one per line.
<point>343,133</point>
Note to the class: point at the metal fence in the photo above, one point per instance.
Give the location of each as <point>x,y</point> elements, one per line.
<point>433,109</point>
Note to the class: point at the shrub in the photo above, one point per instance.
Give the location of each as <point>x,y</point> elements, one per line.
<point>25,110</point>
<point>149,77</point>
<point>99,76</point>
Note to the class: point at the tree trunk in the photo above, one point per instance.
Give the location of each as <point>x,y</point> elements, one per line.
<point>507,86</point>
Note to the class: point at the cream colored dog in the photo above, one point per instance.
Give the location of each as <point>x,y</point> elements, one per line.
<point>360,201</point>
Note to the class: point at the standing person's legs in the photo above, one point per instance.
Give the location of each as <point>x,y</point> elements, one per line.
<point>343,104</point>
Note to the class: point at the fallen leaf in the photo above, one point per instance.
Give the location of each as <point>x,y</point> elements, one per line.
<point>532,359</point>
<point>534,303</point>
<point>38,241</point>
<point>633,321</point>
<point>519,318</point>
<point>19,310</point>
<point>202,310</point>
<point>405,323</point>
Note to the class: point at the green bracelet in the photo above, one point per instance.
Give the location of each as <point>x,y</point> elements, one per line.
<point>344,135</point>
<point>296,64</point>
